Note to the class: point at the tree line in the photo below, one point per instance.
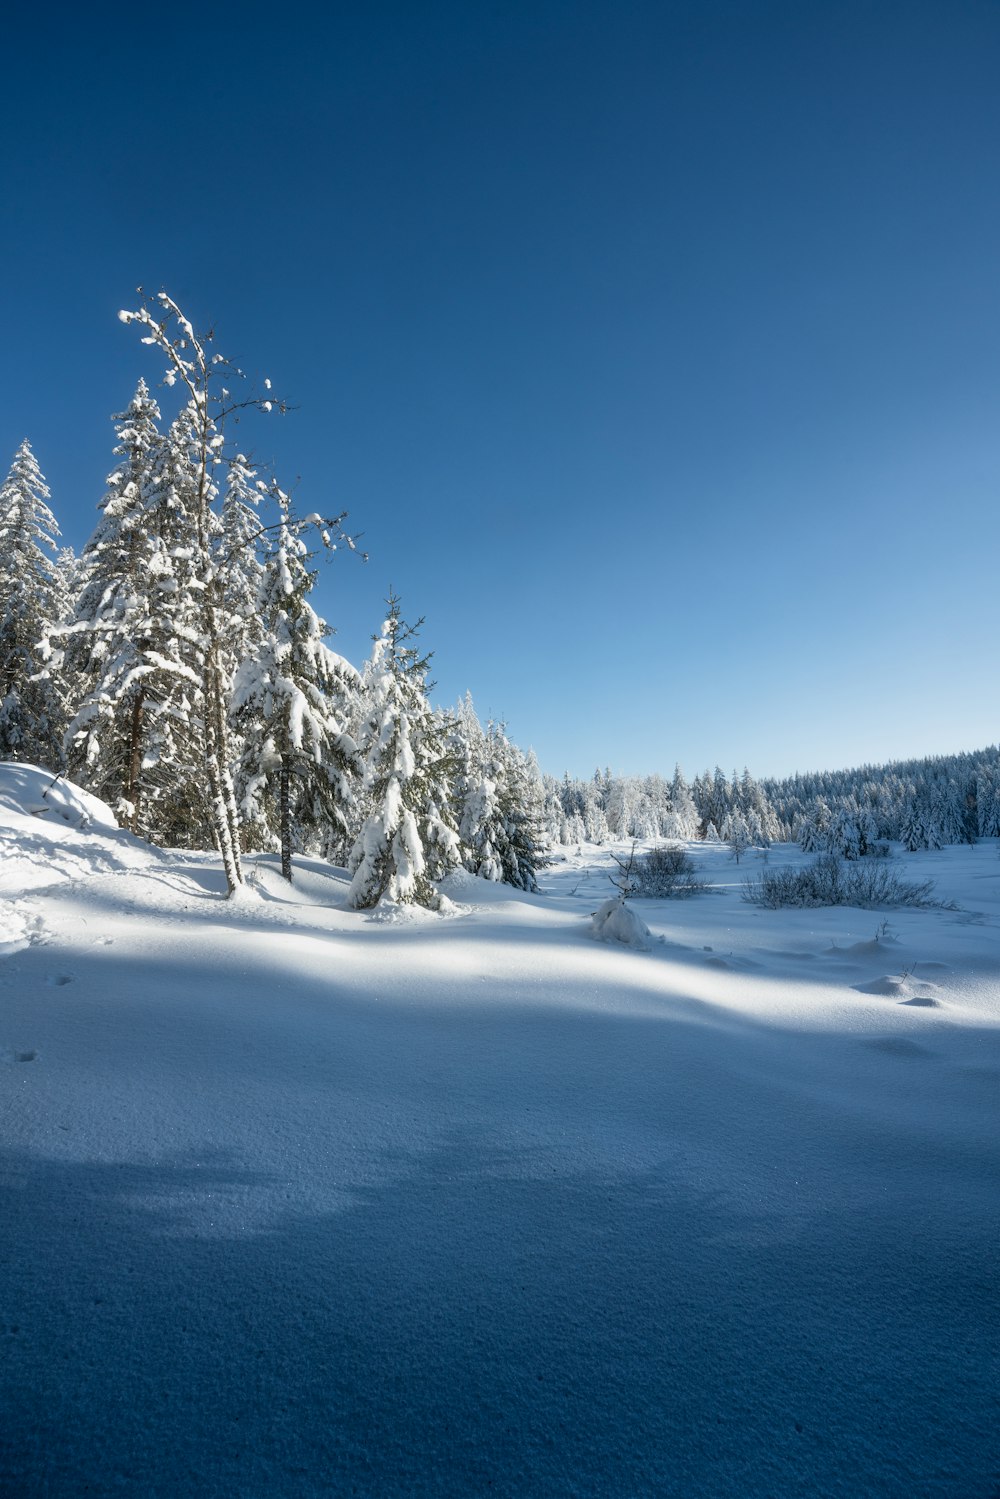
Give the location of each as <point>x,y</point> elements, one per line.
<point>922,803</point>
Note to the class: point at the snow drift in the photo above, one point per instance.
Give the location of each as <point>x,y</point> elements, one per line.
<point>298,1202</point>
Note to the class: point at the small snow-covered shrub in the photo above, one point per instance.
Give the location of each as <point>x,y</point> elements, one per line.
<point>617,922</point>
<point>831,882</point>
<point>665,872</point>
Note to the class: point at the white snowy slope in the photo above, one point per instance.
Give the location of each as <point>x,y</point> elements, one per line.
<point>297,1201</point>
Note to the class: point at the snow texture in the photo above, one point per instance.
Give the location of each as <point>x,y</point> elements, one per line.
<point>301,1201</point>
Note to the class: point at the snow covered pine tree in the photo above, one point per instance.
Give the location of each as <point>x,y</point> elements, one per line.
<point>32,599</point>
<point>210,403</point>
<point>408,838</point>
<point>291,699</point>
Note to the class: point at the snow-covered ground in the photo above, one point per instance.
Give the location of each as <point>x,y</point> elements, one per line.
<point>298,1201</point>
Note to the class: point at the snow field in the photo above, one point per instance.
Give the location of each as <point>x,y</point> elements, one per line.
<point>300,1201</point>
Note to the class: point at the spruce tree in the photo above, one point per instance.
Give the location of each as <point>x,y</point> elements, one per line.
<point>209,381</point>
<point>118,637</point>
<point>407,838</point>
<point>31,604</point>
<point>291,700</point>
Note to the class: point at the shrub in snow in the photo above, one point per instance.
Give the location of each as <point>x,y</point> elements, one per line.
<point>665,873</point>
<point>616,921</point>
<point>736,835</point>
<point>831,882</point>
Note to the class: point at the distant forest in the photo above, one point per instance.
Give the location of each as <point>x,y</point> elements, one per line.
<point>919,803</point>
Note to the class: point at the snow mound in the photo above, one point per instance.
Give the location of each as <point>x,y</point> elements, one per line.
<point>462,879</point>
<point>41,793</point>
<point>398,913</point>
<point>52,831</point>
<point>898,986</point>
<point>617,922</point>
<point>870,949</point>
<point>890,986</point>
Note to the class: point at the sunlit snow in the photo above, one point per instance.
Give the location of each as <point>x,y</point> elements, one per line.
<point>302,1201</point>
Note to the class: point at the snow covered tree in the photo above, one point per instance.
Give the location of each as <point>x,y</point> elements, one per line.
<point>116,646</point>
<point>595,823</point>
<point>913,833</point>
<point>291,699</point>
<point>32,599</point>
<point>867,831</point>
<point>241,548</point>
<point>814,828</point>
<point>842,836</point>
<point>736,835</point>
<point>188,362</point>
<point>135,642</point>
<point>408,838</point>
<point>525,849</point>
<point>682,807</point>
<point>988,804</point>
<point>206,378</point>
<point>502,823</point>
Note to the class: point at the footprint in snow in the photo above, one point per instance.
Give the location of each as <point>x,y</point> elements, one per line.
<point>12,1057</point>
<point>57,980</point>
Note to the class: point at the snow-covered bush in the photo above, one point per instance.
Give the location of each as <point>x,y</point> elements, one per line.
<point>831,882</point>
<point>617,922</point>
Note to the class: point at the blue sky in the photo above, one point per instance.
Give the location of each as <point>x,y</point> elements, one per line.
<point>655,348</point>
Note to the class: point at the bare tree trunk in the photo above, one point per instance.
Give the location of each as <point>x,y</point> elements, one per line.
<point>223,824</point>
<point>225,810</point>
<point>135,758</point>
<point>225,817</point>
<point>285,815</point>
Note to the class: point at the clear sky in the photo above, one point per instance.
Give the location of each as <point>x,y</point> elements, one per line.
<point>655,348</point>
